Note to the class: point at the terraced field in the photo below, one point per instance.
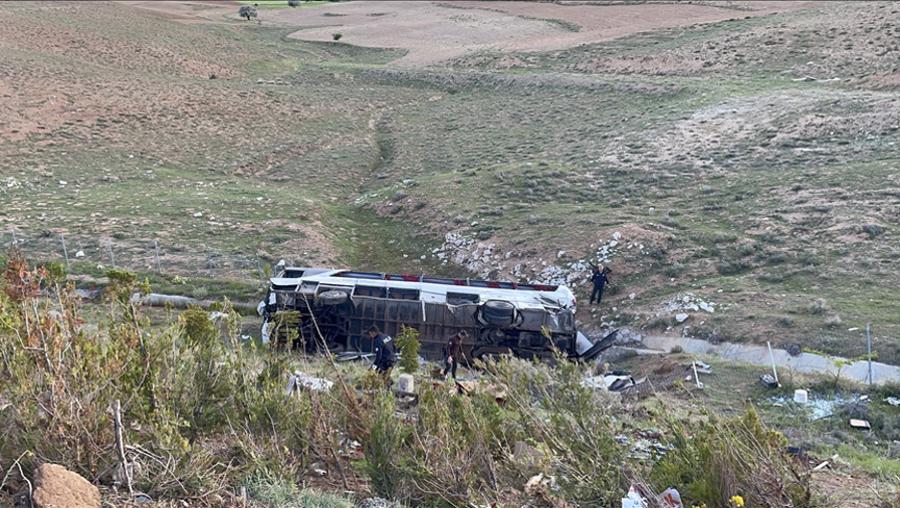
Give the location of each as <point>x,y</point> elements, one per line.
<point>747,157</point>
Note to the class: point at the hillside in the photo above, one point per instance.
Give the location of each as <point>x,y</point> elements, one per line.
<point>741,152</point>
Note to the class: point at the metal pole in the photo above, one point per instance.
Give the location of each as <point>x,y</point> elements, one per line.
<point>772,358</point>
<point>869,343</point>
<point>62,238</point>
<point>156,248</point>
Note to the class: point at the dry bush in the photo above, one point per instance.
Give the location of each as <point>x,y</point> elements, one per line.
<point>714,460</point>
<point>201,412</point>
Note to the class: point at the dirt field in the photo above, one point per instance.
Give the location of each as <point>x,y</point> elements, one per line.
<point>432,32</point>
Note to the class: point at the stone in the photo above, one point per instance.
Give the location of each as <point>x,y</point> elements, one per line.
<point>681,317</point>
<point>57,487</point>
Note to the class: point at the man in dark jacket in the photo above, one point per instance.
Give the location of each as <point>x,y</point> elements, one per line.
<point>385,353</point>
<point>454,352</point>
<point>599,278</point>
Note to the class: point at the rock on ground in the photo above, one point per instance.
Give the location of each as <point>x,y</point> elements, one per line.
<point>57,487</point>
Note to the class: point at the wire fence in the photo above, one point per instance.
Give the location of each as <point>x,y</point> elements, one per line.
<point>90,253</point>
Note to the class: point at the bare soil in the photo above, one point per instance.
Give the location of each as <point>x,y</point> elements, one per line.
<point>436,31</point>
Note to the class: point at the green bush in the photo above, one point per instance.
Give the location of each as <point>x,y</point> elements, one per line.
<point>409,345</point>
<point>714,460</point>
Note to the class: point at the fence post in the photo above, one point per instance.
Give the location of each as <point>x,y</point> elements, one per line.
<point>869,345</point>
<point>62,238</point>
<point>112,257</point>
<point>156,248</point>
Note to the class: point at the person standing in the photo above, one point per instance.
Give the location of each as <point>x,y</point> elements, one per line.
<point>599,278</point>
<point>385,353</point>
<point>454,352</point>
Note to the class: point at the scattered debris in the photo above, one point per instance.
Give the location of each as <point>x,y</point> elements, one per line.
<point>670,498</point>
<point>688,302</point>
<point>801,396</point>
<point>681,317</point>
<point>702,367</point>
<point>768,380</point>
<point>860,424</point>
<point>894,401</point>
<point>56,486</point>
<point>633,499</point>
<point>354,356</point>
<point>79,254</point>
<point>613,382</point>
<point>300,380</point>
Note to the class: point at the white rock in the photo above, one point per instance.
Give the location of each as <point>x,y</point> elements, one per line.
<point>631,296</point>
<point>79,254</point>
<point>681,317</point>
<point>616,235</point>
<point>198,214</point>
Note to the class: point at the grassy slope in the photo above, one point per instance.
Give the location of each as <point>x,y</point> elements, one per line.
<point>733,175</point>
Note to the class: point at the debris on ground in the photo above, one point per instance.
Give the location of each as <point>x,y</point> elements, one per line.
<point>860,424</point>
<point>801,396</point>
<point>688,302</point>
<point>702,367</point>
<point>614,381</point>
<point>670,498</point>
<point>300,380</point>
<point>469,387</point>
<point>56,487</point>
<point>354,356</point>
<point>768,380</point>
<point>647,447</point>
<point>633,499</point>
<point>894,401</point>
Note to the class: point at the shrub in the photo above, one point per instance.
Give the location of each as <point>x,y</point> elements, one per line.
<point>185,389</point>
<point>409,345</point>
<point>716,459</point>
<point>293,3</point>
<point>336,36</point>
<point>247,11</point>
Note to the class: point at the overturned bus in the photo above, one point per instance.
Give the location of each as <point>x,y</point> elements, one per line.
<point>316,308</point>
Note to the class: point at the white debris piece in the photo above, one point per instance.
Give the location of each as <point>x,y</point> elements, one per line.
<point>198,214</point>
<point>688,302</point>
<point>633,499</point>
<point>681,317</point>
<point>300,380</point>
<point>79,254</point>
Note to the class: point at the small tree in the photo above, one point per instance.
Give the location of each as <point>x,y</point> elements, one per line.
<point>293,3</point>
<point>408,343</point>
<point>336,36</point>
<point>247,11</point>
